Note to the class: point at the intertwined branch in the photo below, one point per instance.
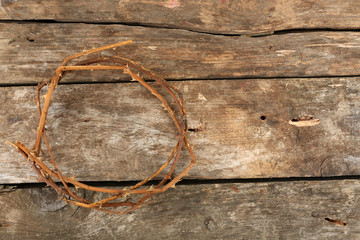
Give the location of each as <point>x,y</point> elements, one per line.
<point>119,197</point>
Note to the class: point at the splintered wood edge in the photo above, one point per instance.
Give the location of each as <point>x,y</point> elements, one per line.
<point>305,122</point>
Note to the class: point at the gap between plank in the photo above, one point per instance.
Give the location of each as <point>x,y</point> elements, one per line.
<point>138,24</point>
<point>132,24</point>
<point>196,181</point>
<point>186,80</point>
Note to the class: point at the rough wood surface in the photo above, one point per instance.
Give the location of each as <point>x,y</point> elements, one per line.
<point>222,16</point>
<point>240,129</point>
<point>29,53</point>
<point>282,210</point>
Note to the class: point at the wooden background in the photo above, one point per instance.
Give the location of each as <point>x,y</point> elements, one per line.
<point>246,68</point>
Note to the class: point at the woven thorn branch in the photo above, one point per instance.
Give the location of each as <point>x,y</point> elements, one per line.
<point>119,201</point>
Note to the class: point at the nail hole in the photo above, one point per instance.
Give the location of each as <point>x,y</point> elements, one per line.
<point>263,117</point>
<point>193,129</point>
<point>210,224</point>
<point>315,214</point>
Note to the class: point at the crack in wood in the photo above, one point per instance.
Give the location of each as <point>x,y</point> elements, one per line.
<point>5,189</point>
<point>306,121</point>
<point>337,222</point>
<point>164,26</point>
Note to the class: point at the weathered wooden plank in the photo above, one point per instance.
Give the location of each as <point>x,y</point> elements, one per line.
<point>241,129</point>
<point>283,210</point>
<point>29,53</point>
<point>229,17</point>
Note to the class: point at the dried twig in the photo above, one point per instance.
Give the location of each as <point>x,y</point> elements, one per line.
<point>50,177</point>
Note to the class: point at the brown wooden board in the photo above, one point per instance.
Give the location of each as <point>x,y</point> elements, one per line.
<point>29,53</point>
<point>221,16</point>
<point>240,129</point>
<point>282,210</point>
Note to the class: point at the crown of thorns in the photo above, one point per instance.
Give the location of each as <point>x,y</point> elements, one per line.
<point>118,202</point>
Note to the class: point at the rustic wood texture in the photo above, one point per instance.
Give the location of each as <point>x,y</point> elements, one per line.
<point>241,129</point>
<point>29,53</point>
<point>222,16</point>
<point>282,210</point>
<point>242,124</point>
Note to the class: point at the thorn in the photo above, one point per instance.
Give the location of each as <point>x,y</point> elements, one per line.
<point>61,197</point>
<point>12,144</point>
<point>167,177</point>
<point>124,195</point>
<point>162,104</point>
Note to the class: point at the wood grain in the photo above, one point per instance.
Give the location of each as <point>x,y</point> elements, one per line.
<point>282,210</point>
<point>240,129</point>
<point>223,16</point>
<point>29,53</point>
